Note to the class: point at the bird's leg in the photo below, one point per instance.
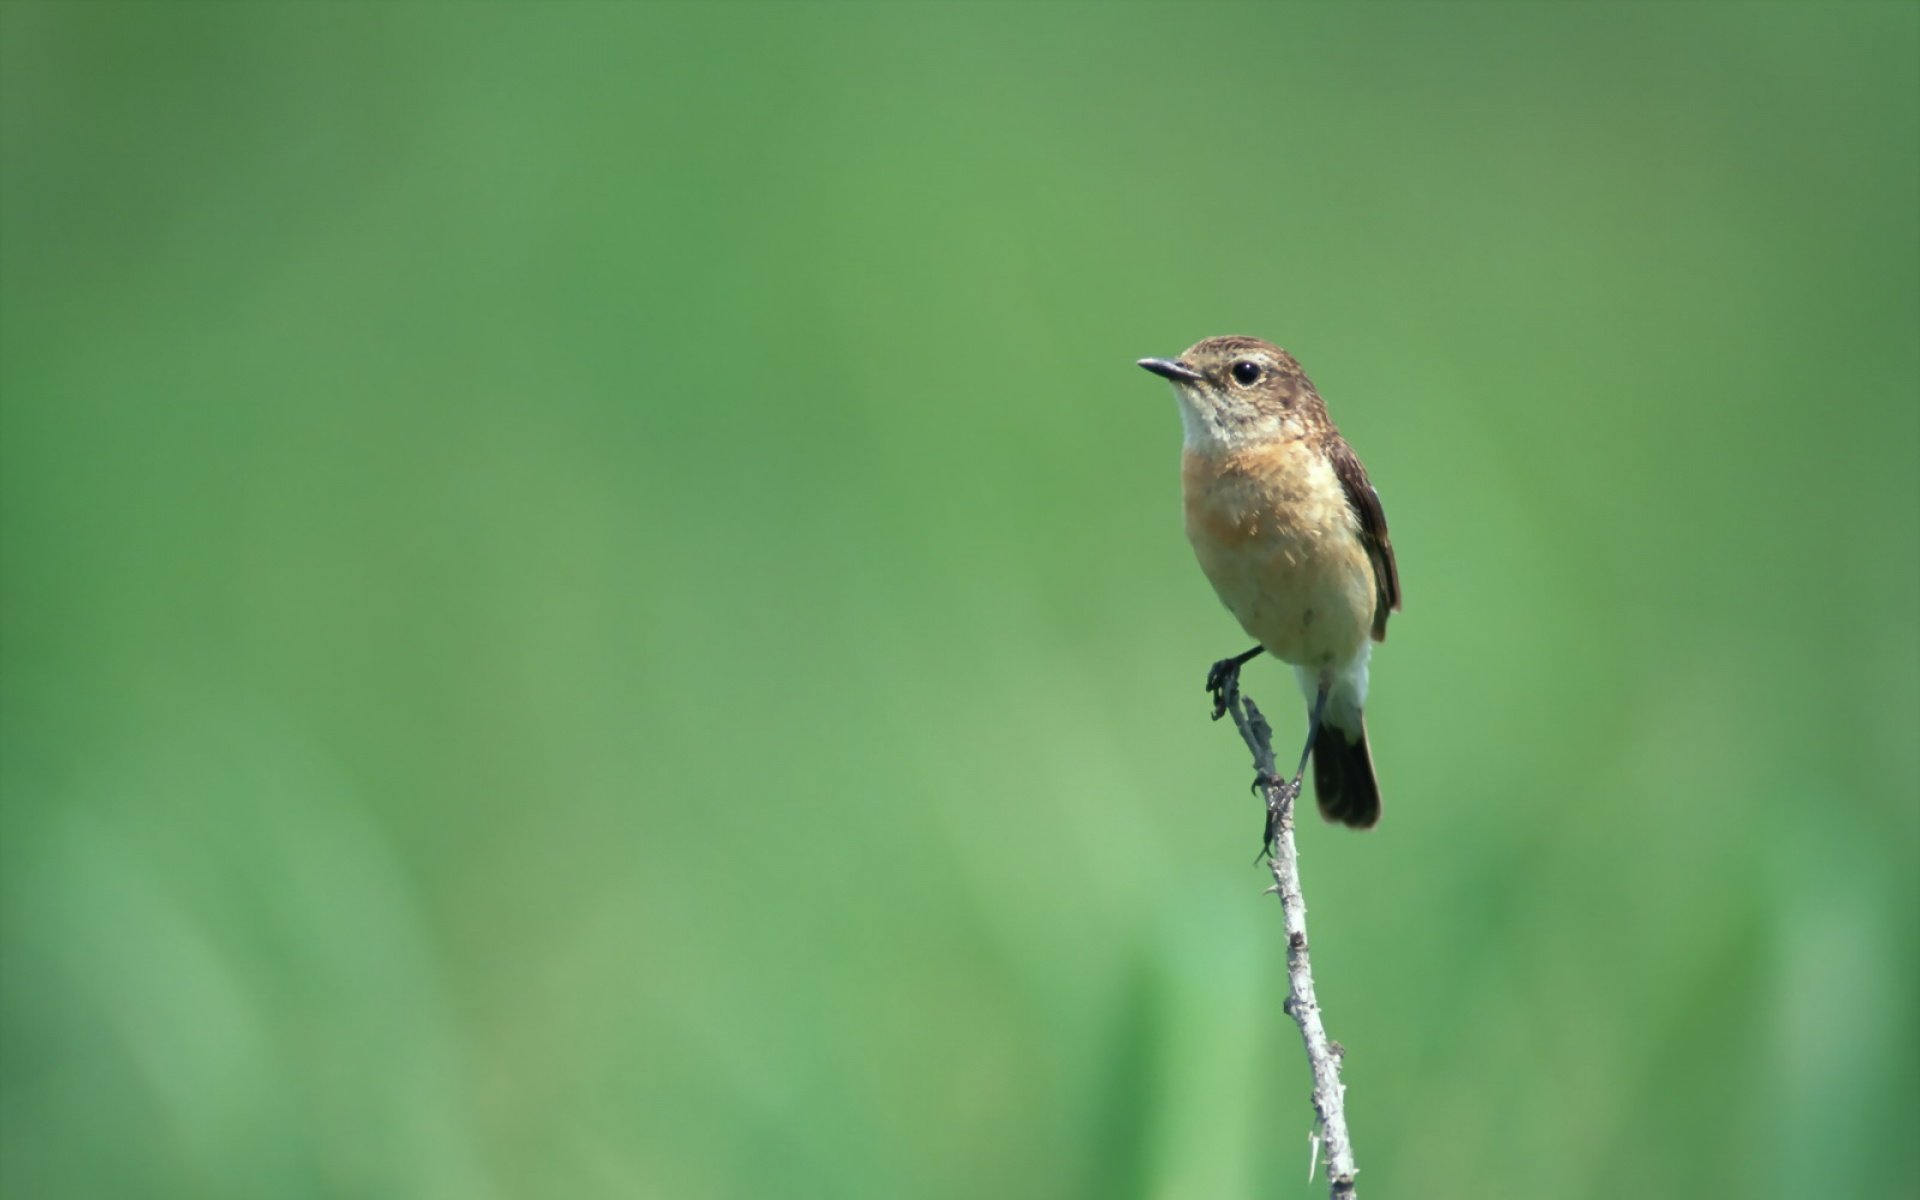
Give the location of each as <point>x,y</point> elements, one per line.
<point>1223,680</point>
<point>1281,792</point>
<point>1313,731</point>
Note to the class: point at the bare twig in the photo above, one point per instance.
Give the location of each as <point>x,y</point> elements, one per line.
<point>1323,1054</point>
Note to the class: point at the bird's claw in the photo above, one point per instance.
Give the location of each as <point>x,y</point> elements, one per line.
<point>1223,684</point>
<point>1280,794</point>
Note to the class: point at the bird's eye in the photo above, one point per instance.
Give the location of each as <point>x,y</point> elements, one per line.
<point>1245,372</point>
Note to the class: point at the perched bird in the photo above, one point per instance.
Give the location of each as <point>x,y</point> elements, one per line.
<point>1291,534</point>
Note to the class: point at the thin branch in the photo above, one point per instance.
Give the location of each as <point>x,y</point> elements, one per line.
<point>1323,1054</point>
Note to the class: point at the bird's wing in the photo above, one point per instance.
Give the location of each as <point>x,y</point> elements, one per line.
<point>1373,531</point>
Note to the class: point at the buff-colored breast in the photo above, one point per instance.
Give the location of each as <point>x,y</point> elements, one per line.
<point>1277,539</point>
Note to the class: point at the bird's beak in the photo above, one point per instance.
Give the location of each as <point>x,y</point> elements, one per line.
<point>1170,368</point>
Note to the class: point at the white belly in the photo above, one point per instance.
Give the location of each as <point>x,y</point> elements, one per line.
<point>1310,605</point>
<point>1282,549</point>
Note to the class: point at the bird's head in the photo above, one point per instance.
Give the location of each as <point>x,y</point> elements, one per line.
<point>1236,392</point>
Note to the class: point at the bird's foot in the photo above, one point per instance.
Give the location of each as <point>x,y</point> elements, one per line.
<point>1280,794</point>
<point>1223,684</point>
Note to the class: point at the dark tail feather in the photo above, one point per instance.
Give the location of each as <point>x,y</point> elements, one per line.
<point>1343,777</point>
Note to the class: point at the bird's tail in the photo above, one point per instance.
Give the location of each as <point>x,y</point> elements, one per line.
<point>1343,775</point>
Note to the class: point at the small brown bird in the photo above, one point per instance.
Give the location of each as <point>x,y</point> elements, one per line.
<point>1292,536</point>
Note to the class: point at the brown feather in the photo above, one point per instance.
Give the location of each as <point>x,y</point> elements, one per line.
<point>1373,528</point>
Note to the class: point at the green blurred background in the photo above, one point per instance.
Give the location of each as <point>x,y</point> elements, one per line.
<point>594,605</point>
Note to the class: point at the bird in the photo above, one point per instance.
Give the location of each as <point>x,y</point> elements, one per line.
<point>1291,533</point>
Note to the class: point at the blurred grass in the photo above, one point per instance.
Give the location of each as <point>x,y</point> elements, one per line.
<point>592,604</point>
